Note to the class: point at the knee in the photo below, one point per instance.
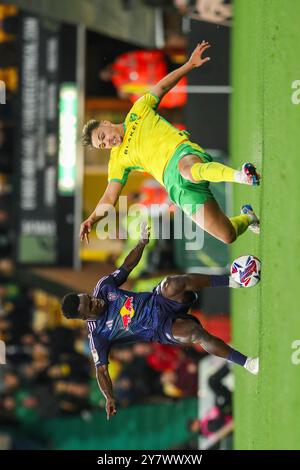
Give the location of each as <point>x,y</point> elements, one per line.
<point>185,171</point>
<point>173,285</point>
<point>186,174</point>
<point>196,334</point>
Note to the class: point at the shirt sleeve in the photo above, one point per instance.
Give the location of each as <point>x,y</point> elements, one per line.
<point>149,99</point>
<point>115,279</point>
<point>100,349</point>
<point>117,172</point>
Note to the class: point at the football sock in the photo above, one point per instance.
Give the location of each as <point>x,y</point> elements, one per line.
<point>213,171</point>
<point>219,281</point>
<point>241,223</point>
<point>224,281</point>
<point>236,357</point>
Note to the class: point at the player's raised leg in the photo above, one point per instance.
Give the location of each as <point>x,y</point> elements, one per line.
<point>193,169</point>
<point>175,287</point>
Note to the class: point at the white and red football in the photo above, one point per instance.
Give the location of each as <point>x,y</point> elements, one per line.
<point>245,270</point>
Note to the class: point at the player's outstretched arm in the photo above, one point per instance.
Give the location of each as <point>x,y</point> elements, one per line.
<point>133,259</point>
<point>170,80</point>
<point>109,198</point>
<point>105,385</point>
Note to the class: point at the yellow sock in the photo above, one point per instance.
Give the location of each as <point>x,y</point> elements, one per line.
<point>240,223</point>
<point>212,171</point>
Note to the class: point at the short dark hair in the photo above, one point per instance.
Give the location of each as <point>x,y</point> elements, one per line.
<point>87,130</point>
<point>70,305</point>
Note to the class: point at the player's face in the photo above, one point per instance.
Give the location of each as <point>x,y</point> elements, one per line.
<point>106,136</point>
<point>91,307</point>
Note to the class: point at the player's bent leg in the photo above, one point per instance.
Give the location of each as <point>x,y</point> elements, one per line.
<point>190,332</point>
<point>192,168</point>
<point>211,219</point>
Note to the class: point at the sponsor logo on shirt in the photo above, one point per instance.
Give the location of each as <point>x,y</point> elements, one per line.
<point>109,324</point>
<point>130,135</point>
<point>127,312</point>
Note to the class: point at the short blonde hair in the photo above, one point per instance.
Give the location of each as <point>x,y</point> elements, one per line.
<point>87,130</point>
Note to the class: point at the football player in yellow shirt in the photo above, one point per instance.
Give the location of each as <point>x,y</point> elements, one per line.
<point>147,142</point>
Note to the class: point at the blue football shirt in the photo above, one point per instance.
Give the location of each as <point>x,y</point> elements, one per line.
<point>131,317</point>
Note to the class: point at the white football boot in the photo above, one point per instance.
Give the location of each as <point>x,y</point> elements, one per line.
<point>252,365</point>
<point>247,175</point>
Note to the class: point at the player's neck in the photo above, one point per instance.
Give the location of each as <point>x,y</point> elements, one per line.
<point>120,129</point>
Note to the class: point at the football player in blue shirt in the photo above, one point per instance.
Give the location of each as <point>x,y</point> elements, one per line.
<point>115,316</point>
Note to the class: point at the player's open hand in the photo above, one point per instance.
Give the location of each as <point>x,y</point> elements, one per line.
<point>110,407</point>
<point>145,233</point>
<point>85,229</point>
<point>196,59</point>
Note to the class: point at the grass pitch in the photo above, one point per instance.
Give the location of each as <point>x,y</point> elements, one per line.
<point>265,130</point>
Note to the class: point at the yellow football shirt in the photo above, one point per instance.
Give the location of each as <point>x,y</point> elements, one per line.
<point>148,144</point>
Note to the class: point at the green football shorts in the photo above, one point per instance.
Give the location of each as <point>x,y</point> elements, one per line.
<point>185,194</point>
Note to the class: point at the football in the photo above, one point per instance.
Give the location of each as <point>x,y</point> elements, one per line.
<point>245,270</point>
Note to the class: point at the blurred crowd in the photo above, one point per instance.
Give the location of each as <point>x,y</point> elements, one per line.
<point>49,371</point>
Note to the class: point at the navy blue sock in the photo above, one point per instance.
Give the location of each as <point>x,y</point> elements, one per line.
<point>220,281</point>
<point>236,357</point>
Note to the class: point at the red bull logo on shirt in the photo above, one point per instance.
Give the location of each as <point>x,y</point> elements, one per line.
<point>127,312</point>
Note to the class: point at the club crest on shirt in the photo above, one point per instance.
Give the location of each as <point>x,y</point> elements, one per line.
<point>133,117</point>
<point>112,296</point>
<point>127,312</point>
